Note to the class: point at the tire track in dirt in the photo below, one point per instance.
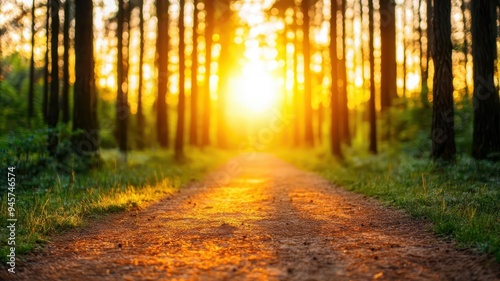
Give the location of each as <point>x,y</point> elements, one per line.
<point>271,221</point>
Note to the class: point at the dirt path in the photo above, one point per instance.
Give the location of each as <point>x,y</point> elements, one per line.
<point>270,222</point>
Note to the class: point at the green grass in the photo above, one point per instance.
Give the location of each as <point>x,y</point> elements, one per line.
<point>461,200</point>
<point>54,202</point>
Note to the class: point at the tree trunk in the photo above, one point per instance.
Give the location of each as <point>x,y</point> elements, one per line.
<point>65,88</point>
<point>119,67</point>
<point>430,45</point>
<point>126,67</point>
<point>466,46</point>
<point>140,114</point>
<point>53,111</point>
<point>285,107</point>
<point>405,47</point>
<point>309,136</point>
<point>345,134</point>
<point>162,64</point>
<point>430,28</point>
<point>179,137</point>
<point>443,132</point>
<point>193,132</point>
<point>223,72</point>
<point>45,101</point>
<point>121,98</point>
<point>334,90</point>
<point>362,51</point>
<point>486,132</point>
<point>372,108</point>
<point>296,103</point>
<point>32,66</point>
<point>209,27</point>
<point>388,87</point>
<point>424,88</point>
<point>84,116</point>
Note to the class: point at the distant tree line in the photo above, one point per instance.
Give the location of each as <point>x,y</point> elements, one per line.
<point>58,107</point>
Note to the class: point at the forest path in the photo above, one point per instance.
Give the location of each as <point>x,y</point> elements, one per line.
<point>271,221</point>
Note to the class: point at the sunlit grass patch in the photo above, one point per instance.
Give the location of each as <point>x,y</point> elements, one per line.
<point>57,201</point>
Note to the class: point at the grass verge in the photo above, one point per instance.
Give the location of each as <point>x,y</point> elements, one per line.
<point>55,202</point>
<point>461,200</point>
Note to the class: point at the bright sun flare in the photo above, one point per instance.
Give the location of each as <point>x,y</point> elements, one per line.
<point>256,90</point>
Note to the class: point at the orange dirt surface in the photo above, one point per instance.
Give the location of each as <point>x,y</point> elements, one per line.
<point>258,218</point>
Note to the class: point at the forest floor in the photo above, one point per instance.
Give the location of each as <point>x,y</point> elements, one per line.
<point>256,219</point>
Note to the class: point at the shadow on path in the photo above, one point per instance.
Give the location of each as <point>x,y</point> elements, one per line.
<point>268,221</point>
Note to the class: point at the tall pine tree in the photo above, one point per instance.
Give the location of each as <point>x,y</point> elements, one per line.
<point>162,65</point>
<point>486,132</point>
<point>181,106</point>
<point>443,131</point>
<point>85,125</point>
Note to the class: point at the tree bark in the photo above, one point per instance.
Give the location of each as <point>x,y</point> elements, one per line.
<point>486,132</point>
<point>296,103</point>
<point>45,101</point>
<point>443,132</point>
<point>179,137</point>
<point>209,28</point>
<point>162,64</point>
<point>283,55</point>
<point>405,47</point>
<point>32,66</point>
<point>388,87</point>
<point>334,90</point>
<point>424,88</point>
<point>430,43</point>
<point>193,132</point>
<point>466,46</point>
<point>53,111</point>
<point>345,134</point>
<point>140,114</point>
<point>371,103</point>
<point>308,127</point>
<point>65,86</point>
<point>122,72</point>
<point>223,72</point>
<point>85,100</point>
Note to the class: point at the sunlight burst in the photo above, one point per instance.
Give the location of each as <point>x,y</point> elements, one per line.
<point>256,90</point>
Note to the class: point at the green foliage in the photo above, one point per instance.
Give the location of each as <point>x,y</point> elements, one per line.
<point>107,123</point>
<point>461,200</point>
<point>14,96</point>
<point>412,128</point>
<point>464,114</point>
<point>58,201</point>
<point>27,151</point>
<point>17,70</point>
<point>13,105</point>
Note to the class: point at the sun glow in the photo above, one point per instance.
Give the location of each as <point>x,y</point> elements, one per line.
<point>255,90</point>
